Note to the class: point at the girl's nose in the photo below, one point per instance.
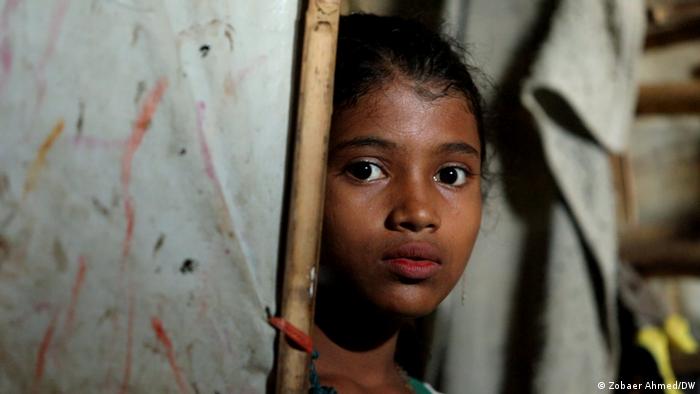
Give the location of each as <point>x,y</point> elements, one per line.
<point>414,209</point>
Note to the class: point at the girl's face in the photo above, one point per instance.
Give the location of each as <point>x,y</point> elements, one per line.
<point>403,197</point>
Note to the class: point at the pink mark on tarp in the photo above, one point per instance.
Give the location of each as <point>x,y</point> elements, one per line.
<point>75,293</point>
<point>7,10</point>
<point>58,338</point>
<point>44,348</point>
<point>225,225</point>
<point>40,159</point>
<point>129,344</point>
<point>203,308</point>
<point>162,336</point>
<point>231,82</point>
<point>254,66</point>
<point>209,166</point>
<point>206,153</point>
<point>139,130</point>
<point>5,61</point>
<point>130,217</point>
<point>59,13</point>
<point>57,17</point>
<point>6,55</point>
<point>132,144</point>
<point>5,44</point>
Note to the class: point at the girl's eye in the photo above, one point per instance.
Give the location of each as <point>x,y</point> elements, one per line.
<point>453,176</point>
<point>365,171</point>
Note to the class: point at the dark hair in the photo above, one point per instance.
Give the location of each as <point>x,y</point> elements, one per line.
<point>374,50</point>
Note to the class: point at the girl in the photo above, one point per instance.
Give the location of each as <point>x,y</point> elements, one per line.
<point>403,197</point>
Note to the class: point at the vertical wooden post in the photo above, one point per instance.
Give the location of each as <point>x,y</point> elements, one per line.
<point>308,186</point>
<point>628,215</point>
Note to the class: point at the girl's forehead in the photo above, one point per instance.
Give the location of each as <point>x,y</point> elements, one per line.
<point>397,111</point>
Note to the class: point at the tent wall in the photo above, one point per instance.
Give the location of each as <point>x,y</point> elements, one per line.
<point>142,161</point>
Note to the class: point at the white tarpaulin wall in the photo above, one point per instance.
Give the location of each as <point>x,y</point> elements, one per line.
<point>142,153</point>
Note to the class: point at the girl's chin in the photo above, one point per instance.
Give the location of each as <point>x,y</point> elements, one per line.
<point>409,311</point>
<point>408,304</point>
<point>387,296</point>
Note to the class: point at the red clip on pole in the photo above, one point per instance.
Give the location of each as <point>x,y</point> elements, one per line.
<point>298,337</point>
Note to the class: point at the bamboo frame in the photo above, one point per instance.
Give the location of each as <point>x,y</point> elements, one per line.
<point>308,186</point>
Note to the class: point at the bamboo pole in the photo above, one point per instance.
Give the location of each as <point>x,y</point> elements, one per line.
<point>663,257</point>
<point>624,190</point>
<point>669,98</point>
<point>308,186</point>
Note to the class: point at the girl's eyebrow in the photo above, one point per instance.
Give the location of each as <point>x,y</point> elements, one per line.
<point>451,147</point>
<point>458,147</point>
<point>364,141</point>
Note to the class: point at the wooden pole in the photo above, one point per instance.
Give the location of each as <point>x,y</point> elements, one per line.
<point>669,98</point>
<point>308,186</point>
<point>625,190</point>
<point>663,257</point>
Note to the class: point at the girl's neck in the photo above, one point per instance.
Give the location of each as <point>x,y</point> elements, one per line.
<point>355,341</point>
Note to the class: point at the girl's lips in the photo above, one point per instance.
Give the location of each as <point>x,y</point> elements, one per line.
<point>413,269</point>
<point>413,260</point>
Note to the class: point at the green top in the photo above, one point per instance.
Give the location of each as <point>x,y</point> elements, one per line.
<point>418,386</point>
